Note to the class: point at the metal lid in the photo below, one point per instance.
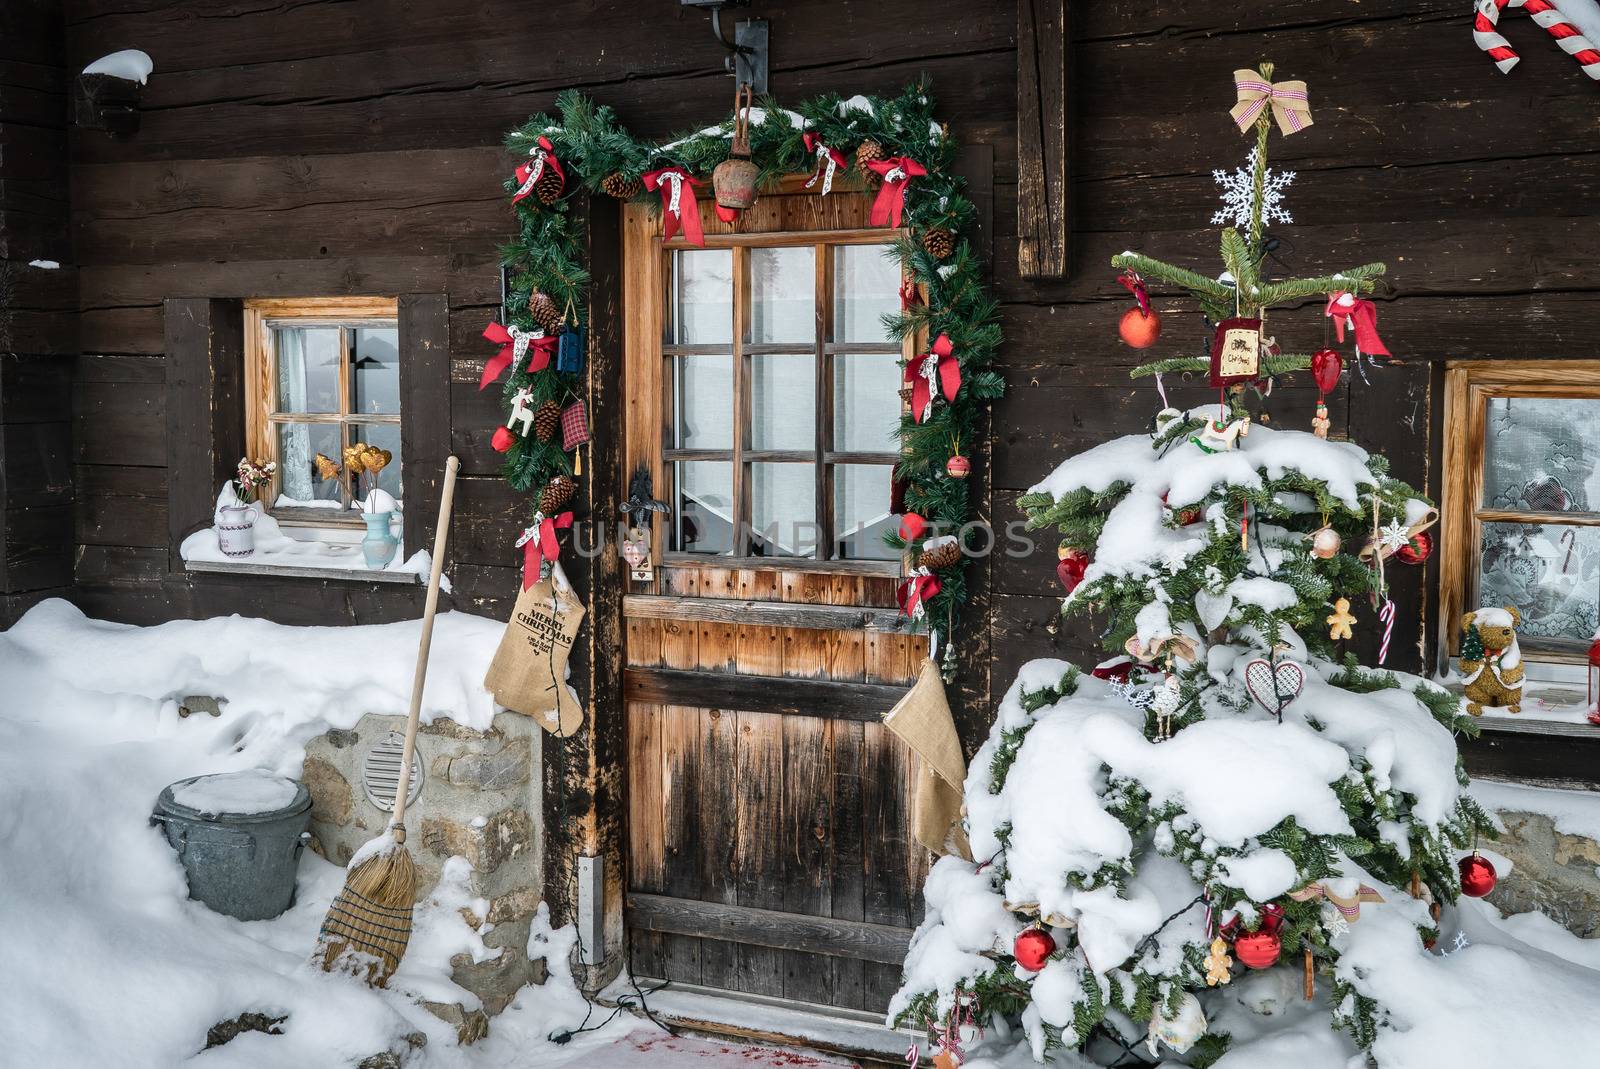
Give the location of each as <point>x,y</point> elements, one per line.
<point>246,790</point>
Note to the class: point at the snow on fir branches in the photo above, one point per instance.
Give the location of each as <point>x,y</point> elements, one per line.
<point>944,293</point>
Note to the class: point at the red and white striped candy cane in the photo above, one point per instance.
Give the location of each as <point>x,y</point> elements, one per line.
<point>1487,37</point>
<point>1386,614</point>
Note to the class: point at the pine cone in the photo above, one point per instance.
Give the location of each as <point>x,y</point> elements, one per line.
<point>549,186</point>
<point>621,186</point>
<point>546,420</point>
<point>940,556</point>
<point>905,393</point>
<point>544,312</point>
<point>939,242</point>
<point>554,497</point>
<point>868,152</point>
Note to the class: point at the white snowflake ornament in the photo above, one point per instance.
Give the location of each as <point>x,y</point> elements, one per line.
<point>1238,194</point>
<point>1394,535</point>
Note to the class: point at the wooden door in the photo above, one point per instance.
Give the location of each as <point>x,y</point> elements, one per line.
<point>768,850</point>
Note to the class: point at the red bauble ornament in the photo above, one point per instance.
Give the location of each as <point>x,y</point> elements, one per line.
<point>1071,567</point>
<point>503,439</point>
<point>958,467</point>
<point>1419,549</point>
<point>1477,875</point>
<point>1138,329</point>
<point>912,527</point>
<point>1033,948</point>
<point>1259,950</point>
<point>1325,368</point>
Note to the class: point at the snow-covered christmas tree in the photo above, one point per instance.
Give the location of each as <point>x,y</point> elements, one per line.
<point>1229,831</point>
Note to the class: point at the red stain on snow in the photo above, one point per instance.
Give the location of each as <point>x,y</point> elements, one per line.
<point>669,1051</point>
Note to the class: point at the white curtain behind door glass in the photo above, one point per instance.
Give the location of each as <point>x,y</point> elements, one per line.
<point>294,443</point>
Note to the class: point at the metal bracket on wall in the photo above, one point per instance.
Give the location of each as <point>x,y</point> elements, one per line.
<point>748,54</point>
<point>591,909</point>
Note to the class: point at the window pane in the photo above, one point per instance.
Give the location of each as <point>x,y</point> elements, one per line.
<point>703,512</point>
<point>299,482</point>
<point>308,368</point>
<point>866,287</point>
<point>783,401</point>
<point>861,511</point>
<point>386,478</point>
<point>702,297</point>
<point>1550,573</point>
<point>375,376</point>
<point>783,510</point>
<point>866,402</point>
<point>783,290</point>
<point>1542,454</point>
<point>703,402</point>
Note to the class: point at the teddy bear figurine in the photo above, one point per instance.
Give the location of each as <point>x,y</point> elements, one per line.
<point>1491,660</point>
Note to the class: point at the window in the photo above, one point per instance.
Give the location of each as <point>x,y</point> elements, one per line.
<point>781,395</point>
<point>323,375</point>
<point>1522,508</point>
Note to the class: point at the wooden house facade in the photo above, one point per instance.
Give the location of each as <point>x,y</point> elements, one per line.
<point>733,773</point>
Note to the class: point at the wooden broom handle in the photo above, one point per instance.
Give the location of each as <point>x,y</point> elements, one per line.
<point>440,535</point>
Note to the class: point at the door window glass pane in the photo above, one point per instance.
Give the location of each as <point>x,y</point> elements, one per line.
<point>1550,573</point>
<point>1542,454</point>
<point>702,297</point>
<point>866,287</point>
<point>703,415</point>
<point>866,402</point>
<point>783,401</point>
<point>861,512</point>
<point>783,510</point>
<point>375,378</point>
<point>300,483</point>
<point>703,512</point>
<point>783,287</point>
<point>308,368</point>
<point>386,478</point>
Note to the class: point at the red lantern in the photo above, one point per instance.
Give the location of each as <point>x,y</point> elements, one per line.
<point>503,439</point>
<point>1258,950</point>
<point>1071,567</point>
<point>1477,875</point>
<point>958,467</point>
<point>1033,948</point>
<point>1139,328</point>
<point>1326,366</point>
<point>1419,549</point>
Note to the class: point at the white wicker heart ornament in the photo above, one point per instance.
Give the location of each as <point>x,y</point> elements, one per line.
<point>1274,687</point>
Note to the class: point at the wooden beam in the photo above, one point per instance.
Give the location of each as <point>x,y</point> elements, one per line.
<point>204,410</point>
<point>425,407</point>
<point>1042,138</point>
<point>1545,753</point>
<point>760,613</point>
<point>769,928</point>
<point>866,702</point>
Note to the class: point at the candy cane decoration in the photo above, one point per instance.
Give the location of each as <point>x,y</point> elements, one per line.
<point>1386,614</point>
<point>1485,34</point>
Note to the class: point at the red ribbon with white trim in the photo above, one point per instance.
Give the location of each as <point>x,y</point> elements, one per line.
<point>678,207</point>
<point>896,172</point>
<point>514,344</point>
<point>539,544</point>
<point>540,156</point>
<point>829,160</point>
<point>1348,309</point>
<point>915,590</point>
<point>938,370</point>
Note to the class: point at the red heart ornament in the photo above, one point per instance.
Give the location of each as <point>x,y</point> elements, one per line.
<point>1326,366</point>
<point>1070,569</point>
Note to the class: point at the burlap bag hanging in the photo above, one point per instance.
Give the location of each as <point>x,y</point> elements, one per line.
<point>923,722</point>
<point>529,670</point>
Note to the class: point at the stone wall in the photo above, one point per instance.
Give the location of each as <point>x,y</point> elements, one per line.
<point>1555,873</point>
<point>479,800</point>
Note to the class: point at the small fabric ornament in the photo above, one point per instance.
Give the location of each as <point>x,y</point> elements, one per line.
<point>1346,309</point>
<point>574,425</point>
<point>569,351</point>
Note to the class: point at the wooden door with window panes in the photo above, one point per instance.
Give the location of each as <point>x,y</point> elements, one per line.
<point>768,847</point>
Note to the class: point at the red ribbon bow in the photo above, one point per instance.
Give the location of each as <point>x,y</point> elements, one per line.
<point>1361,314</point>
<point>939,365</point>
<point>896,172</point>
<point>916,589</point>
<point>829,160</point>
<point>1134,284</point>
<point>542,155</point>
<point>678,207</point>
<point>539,544</point>
<point>514,344</point>
<point>910,296</point>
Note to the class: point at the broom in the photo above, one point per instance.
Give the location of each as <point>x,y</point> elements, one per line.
<point>369,923</point>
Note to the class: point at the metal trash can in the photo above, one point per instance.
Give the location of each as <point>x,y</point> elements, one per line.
<point>239,836</point>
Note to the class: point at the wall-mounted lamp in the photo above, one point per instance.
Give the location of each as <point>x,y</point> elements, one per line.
<point>747,58</point>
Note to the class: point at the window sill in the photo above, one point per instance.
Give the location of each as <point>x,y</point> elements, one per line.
<point>302,571</point>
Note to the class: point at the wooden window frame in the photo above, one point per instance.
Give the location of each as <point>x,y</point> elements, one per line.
<point>1469,385</point>
<point>648,271</point>
<point>261,415</point>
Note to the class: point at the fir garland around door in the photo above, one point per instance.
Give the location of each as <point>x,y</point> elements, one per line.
<point>896,148</point>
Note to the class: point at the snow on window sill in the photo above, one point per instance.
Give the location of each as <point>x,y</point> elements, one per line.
<point>1555,701</point>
